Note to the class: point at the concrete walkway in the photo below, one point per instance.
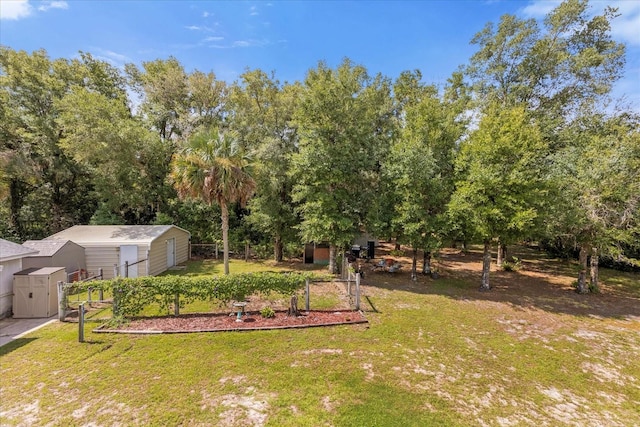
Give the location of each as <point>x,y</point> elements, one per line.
<point>10,328</point>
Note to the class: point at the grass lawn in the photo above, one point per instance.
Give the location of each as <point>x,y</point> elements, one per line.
<point>529,352</point>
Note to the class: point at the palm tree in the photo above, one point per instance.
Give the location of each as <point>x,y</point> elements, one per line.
<point>213,167</point>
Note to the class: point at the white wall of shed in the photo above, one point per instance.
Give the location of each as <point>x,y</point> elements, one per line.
<point>7,270</point>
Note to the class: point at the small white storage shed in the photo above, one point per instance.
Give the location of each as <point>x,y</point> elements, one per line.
<point>148,249</point>
<point>11,256</point>
<point>55,253</point>
<point>35,292</point>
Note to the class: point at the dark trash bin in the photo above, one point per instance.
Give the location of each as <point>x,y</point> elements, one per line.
<point>355,250</point>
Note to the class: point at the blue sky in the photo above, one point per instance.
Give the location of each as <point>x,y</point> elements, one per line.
<point>288,37</point>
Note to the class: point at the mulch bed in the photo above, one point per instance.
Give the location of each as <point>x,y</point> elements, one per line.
<point>214,322</point>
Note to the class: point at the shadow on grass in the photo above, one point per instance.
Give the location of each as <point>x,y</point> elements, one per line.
<point>542,283</point>
<point>14,345</point>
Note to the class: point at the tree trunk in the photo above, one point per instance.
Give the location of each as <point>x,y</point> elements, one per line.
<point>397,246</point>
<point>293,306</point>
<point>486,266</point>
<point>414,265</point>
<point>426,262</point>
<point>595,287</point>
<point>502,254</point>
<point>582,276</point>
<point>278,248</point>
<point>225,236</point>
<point>333,266</point>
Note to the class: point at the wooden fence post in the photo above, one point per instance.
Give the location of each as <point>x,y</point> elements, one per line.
<point>100,292</point>
<point>176,305</point>
<point>357,291</point>
<point>62,301</point>
<point>306,295</point>
<point>81,323</point>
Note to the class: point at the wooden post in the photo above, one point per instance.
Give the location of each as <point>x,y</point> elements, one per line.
<point>357,291</point>
<point>126,269</point>
<point>100,292</point>
<point>81,323</point>
<point>62,301</point>
<point>306,295</point>
<point>176,305</point>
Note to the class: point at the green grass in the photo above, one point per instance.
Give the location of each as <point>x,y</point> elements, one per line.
<point>212,266</point>
<point>437,353</point>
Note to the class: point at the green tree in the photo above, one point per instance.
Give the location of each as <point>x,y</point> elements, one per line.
<point>555,71</point>
<point>343,123</point>
<point>596,178</point>
<point>211,166</point>
<point>163,86</point>
<point>421,166</point>
<point>261,113</point>
<point>46,189</point>
<point>126,160</point>
<point>502,185</point>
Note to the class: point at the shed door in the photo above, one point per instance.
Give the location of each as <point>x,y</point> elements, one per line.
<point>129,253</point>
<point>21,301</point>
<point>171,252</point>
<point>40,291</point>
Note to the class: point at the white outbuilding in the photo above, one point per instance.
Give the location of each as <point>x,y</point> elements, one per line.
<point>129,250</point>
<point>11,256</point>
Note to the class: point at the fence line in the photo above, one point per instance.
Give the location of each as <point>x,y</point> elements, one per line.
<point>126,265</point>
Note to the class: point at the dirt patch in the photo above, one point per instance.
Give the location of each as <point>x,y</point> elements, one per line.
<point>541,283</point>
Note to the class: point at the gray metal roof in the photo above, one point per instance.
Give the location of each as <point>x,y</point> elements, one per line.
<point>38,271</point>
<point>10,250</point>
<point>46,247</point>
<point>98,234</point>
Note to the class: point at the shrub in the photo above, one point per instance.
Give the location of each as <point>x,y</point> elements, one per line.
<point>267,313</point>
<point>132,295</point>
<point>513,265</point>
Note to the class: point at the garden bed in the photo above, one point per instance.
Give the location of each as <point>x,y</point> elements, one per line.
<point>214,322</point>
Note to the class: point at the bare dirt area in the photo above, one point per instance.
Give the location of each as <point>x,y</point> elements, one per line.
<point>540,283</point>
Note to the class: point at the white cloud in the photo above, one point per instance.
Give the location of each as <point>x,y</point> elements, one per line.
<point>253,11</point>
<point>15,9</point>
<point>205,14</point>
<point>53,5</point>
<point>193,28</point>
<point>624,28</point>
<point>18,9</point>
<point>213,39</point>
<point>539,8</point>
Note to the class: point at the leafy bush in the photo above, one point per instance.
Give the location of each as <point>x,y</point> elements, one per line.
<point>513,265</point>
<point>132,295</point>
<point>267,313</point>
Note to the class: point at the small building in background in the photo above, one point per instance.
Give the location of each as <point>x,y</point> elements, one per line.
<point>129,250</point>
<point>316,253</point>
<point>35,292</point>
<point>55,253</point>
<point>11,256</point>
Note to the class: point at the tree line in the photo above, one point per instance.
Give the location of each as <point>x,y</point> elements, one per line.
<point>522,143</point>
